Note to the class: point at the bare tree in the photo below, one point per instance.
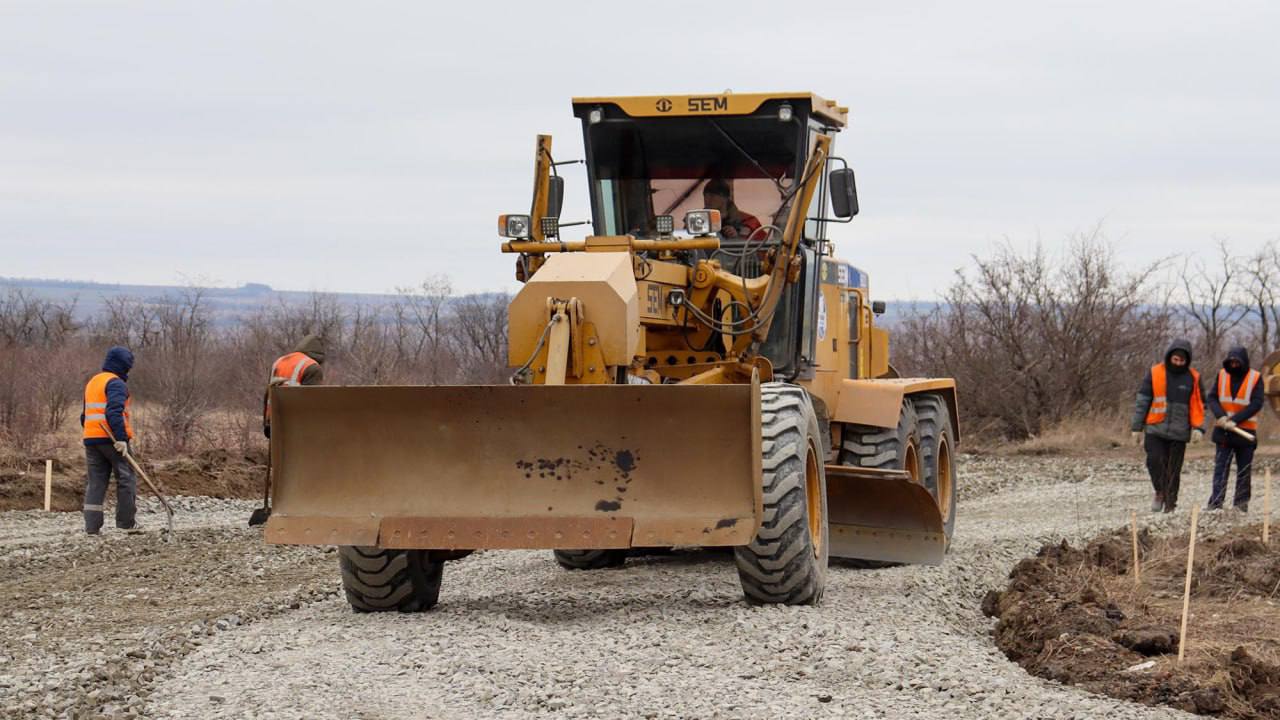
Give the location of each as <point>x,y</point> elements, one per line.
<point>479,337</point>
<point>1261,277</point>
<point>1211,299</point>
<point>172,371</point>
<point>421,320</point>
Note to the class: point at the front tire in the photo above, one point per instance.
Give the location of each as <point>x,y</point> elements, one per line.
<point>381,580</point>
<point>786,562</point>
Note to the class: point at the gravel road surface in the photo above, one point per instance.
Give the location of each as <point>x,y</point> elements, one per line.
<point>215,624</point>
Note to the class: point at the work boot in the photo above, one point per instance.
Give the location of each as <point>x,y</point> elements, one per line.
<point>1212,508</point>
<point>1242,507</point>
<point>133,529</point>
<point>1157,503</point>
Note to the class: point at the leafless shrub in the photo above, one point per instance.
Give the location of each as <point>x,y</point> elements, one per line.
<point>1033,339</point>
<point>39,355</point>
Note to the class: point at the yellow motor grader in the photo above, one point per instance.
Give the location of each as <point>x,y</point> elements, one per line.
<point>718,384</point>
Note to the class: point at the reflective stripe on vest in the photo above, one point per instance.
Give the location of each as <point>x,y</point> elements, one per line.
<point>286,370</point>
<point>1160,399</point>
<point>95,408</point>
<point>1239,402</point>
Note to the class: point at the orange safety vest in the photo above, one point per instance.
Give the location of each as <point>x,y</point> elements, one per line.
<point>286,370</point>
<point>95,408</point>
<point>1235,404</point>
<point>1160,401</point>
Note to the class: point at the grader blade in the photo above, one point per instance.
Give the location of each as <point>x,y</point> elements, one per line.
<point>882,515</point>
<point>571,467</point>
<point>1271,381</point>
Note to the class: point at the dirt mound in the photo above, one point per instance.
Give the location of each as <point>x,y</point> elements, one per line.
<point>215,473</point>
<point>1075,615</point>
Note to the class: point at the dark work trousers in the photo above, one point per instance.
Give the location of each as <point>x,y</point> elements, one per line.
<point>1164,462</point>
<point>1222,468</point>
<point>102,461</point>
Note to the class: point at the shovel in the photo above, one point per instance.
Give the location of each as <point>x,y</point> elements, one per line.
<point>143,474</point>
<point>259,516</point>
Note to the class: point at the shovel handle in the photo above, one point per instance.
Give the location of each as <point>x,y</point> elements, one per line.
<point>1244,434</point>
<point>128,456</point>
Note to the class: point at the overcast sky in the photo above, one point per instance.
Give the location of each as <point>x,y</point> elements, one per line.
<point>364,146</point>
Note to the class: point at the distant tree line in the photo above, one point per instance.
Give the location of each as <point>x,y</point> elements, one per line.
<point>1036,338</point>
<point>199,383</point>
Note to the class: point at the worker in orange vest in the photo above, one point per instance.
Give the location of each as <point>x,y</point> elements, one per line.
<point>1235,400</point>
<point>106,403</point>
<point>1169,411</point>
<point>303,366</point>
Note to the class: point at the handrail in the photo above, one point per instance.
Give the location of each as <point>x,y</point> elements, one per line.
<point>710,242</point>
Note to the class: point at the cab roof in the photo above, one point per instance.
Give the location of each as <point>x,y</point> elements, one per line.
<point>726,103</point>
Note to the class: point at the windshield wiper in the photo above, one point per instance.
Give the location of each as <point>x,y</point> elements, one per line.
<point>685,195</point>
<point>776,181</point>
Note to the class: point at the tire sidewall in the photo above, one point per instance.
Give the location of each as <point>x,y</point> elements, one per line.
<point>815,445</point>
<point>929,467</point>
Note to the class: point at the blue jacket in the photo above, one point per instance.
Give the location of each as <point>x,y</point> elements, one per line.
<point>119,361</point>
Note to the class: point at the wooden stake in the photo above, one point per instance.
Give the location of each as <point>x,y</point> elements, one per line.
<point>48,485</point>
<point>1186,591</point>
<point>1137,567</point>
<point>1266,508</point>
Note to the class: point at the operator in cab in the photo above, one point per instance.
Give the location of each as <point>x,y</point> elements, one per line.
<point>734,223</point>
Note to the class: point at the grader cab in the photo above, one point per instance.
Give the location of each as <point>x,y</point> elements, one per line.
<point>699,370</point>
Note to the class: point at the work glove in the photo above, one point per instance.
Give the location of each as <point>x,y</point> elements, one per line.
<point>121,446</point>
<point>1221,422</point>
<point>1197,435</point>
<point>1136,436</point>
<point>1229,424</point>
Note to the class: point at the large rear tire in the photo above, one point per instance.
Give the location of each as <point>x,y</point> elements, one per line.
<point>895,448</point>
<point>380,580</point>
<point>590,559</point>
<point>786,562</point>
<point>884,448</point>
<point>937,439</point>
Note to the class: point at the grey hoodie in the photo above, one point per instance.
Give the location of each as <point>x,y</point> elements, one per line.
<point>1178,390</point>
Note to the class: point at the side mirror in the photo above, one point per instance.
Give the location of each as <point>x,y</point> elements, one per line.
<point>844,194</point>
<point>877,307</point>
<point>555,196</point>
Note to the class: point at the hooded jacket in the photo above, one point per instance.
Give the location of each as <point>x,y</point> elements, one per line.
<point>1256,398</point>
<point>1179,384</point>
<point>313,347</point>
<point>119,361</point>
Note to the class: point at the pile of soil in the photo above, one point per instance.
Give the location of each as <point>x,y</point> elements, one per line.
<point>214,473</point>
<point>1075,615</point>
